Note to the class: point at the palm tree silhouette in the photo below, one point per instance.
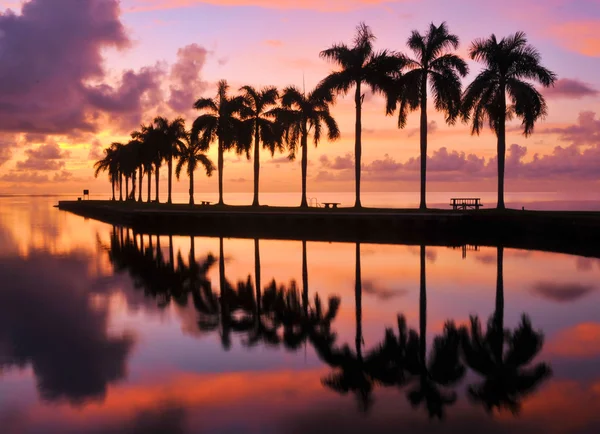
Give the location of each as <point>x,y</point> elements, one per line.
<point>172,135</point>
<point>221,122</point>
<point>501,356</point>
<point>147,135</point>
<point>356,373</point>
<point>360,65</point>
<point>109,164</point>
<point>442,368</point>
<point>190,154</point>
<point>510,65</point>
<point>434,65</point>
<point>301,114</point>
<point>263,126</point>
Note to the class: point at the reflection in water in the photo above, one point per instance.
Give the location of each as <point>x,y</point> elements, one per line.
<point>283,315</point>
<point>59,316</point>
<point>48,322</point>
<point>501,356</point>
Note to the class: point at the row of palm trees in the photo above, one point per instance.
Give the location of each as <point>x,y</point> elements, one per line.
<point>284,315</point>
<point>503,90</point>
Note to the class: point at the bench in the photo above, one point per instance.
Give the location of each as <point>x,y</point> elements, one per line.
<point>330,204</point>
<point>205,202</point>
<point>466,203</point>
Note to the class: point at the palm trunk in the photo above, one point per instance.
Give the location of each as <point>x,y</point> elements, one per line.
<point>256,162</point>
<point>357,142</point>
<point>112,183</point>
<point>127,194</point>
<point>150,246</point>
<point>149,186</point>
<point>423,312</point>
<point>156,182</point>
<point>358,305</point>
<point>499,311</point>
<point>257,280</point>
<point>170,178</point>
<point>304,280</point>
<point>423,204</point>
<point>501,149</point>
<point>192,251</point>
<point>133,183</point>
<point>141,174</point>
<point>192,187</point>
<point>171,253</point>
<point>159,257</point>
<point>220,168</point>
<point>225,316</point>
<point>120,187</point>
<point>304,145</point>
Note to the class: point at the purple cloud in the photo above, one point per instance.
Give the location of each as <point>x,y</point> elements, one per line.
<point>585,131</point>
<point>570,88</point>
<point>49,55</point>
<point>24,177</point>
<point>562,293</point>
<point>187,83</point>
<point>338,163</point>
<point>45,157</point>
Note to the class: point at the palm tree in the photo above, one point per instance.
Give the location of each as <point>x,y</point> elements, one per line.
<point>434,65</point>
<point>221,122</point>
<point>190,153</point>
<point>360,65</point>
<point>109,164</point>
<point>150,155</point>
<point>301,114</point>
<point>264,128</point>
<point>172,134</point>
<point>443,367</point>
<point>501,356</point>
<point>511,64</point>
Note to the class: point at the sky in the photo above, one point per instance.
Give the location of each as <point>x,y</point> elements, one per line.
<point>76,75</point>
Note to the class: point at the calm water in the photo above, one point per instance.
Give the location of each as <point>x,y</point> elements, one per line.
<point>106,331</point>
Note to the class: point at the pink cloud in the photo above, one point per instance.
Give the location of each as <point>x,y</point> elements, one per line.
<point>570,88</point>
<point>45,157</point>
<point>186,79</point>
<point>579,36</point>
<point>321,5</point>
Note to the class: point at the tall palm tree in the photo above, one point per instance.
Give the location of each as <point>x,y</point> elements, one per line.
<point>150,154</point>
<point>434,65</point>
<point>443,366</point>
<point>504,90</point>
<point>264,127</point>
<point>109,164</point>
<point>360,65</point>
<point>221,122</point>
<point>299,115</point>
<point>119,155</point>
<point>172,134</point>
<point>501,356</point>
<point>191,153</point>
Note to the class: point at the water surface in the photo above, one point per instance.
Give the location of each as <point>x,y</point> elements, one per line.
<point>107,331</point>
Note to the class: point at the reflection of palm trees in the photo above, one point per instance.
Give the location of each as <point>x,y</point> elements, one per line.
<point>356,373</point>
<point>443,368</point>
<point>506,377</point>
<point>407,354</point>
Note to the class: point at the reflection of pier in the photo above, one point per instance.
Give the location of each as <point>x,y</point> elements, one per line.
<point>466,248</point>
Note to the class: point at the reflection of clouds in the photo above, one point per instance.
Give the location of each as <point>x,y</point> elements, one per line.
<point>47,321</point>
<point>430,253</point>
<point>582,340</point>
<point>562,292</point>
<point>371,288</point>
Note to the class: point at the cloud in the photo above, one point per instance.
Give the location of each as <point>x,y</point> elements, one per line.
<point>24,177</point>
<point>579,36</point>
<point>431,128</point>
<point>570,88</point>
<point>585,132</point>
<point>62,335</point>
<point>562,292</point>
<point>238,180</point>
<point>45,157</point>
<point>320,5</point>
<point>339,163</point>
<point>63,176</point>
<point>370,288</point>
<point>273,43</point>
<point>582,340</point>
<point>186,80</point>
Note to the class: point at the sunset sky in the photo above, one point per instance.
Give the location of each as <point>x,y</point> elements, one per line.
<point>76,75</point>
